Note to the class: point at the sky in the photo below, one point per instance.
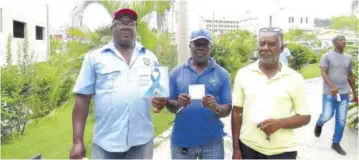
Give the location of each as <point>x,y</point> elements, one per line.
<point>95,15</point>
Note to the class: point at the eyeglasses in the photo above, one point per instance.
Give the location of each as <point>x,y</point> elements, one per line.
<point>272,29</point>
<point>121,24</point>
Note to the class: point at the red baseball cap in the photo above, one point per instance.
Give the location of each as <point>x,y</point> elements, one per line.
<point>125,11</point>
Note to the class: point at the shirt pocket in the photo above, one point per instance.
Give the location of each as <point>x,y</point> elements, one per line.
<point>108,78</point>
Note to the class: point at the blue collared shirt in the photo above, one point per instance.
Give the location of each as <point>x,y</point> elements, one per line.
<point>123,118</point>
<point>196,125</point>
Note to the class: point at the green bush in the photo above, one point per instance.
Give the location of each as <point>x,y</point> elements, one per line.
<point>302,56</point>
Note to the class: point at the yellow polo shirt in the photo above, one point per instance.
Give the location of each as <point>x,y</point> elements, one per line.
<point>280,97</point>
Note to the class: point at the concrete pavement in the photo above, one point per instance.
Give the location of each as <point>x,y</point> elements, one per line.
<point>309,147</point>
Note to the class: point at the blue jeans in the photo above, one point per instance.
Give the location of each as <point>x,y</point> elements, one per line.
<point>144,151</point>
<point>213,150</point>
<point>330,104</point>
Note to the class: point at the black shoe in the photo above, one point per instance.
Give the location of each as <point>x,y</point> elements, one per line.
<point>317,130</point>
<point>338,149</point>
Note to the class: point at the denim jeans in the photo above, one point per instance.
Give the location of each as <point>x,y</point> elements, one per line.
<point>144,151</point>
<point>213,150</point>
<point>330,104</point>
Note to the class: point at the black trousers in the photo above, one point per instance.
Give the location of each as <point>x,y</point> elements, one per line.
<point>249,153</point>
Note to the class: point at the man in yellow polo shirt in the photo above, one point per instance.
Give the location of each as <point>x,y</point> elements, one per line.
<point>269,101</point>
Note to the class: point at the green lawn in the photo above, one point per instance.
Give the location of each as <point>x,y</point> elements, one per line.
<point>311,71</point>
<point>52,135</point>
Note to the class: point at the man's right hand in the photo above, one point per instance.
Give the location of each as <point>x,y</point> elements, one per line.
<point>237,154</point>
<point>184,100</point>
<point>334,91</point>
<point>78,151</point>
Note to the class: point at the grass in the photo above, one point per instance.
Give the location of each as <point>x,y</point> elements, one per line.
<point>311,71</point>
<point>52,135</point>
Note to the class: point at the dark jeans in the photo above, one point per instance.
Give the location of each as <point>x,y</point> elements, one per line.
<point>249,153</point>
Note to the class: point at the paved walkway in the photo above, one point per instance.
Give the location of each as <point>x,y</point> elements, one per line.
<point>309,147</point>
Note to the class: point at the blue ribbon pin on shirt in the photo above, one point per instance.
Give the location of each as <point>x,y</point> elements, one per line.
<point>156,89</point>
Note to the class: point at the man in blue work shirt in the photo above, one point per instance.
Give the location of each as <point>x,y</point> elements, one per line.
<point>198,130</point>
<point>123,128</point>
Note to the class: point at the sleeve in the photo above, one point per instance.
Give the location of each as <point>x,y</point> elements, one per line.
<point>238,94</point>
<point>299,98</point>
<point>288,53</point>
<point>350,67</point>
<point>85,83</point>
<point>324,61</point>
<point>225,93</point>
<point>173,85</point>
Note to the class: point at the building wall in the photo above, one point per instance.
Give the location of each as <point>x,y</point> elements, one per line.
<point>289,19</point>
<point>32,17</point>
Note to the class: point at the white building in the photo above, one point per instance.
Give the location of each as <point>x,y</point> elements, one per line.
<point>291,19</point>
<point>220,25</point>
<point>14,20</point>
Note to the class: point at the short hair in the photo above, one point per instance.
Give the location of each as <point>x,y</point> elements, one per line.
<point>278,31</point>
<point>336,37</point>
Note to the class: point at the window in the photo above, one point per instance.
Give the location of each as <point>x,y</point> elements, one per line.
<point>39,33</point>
<point>301,19</point>
<point>18,29</point>
<point>306,19</point>
<point>289,19</point>
<point>292,19</point>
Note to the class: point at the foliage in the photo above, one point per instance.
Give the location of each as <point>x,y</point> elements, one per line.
<point>166,50</point>
<point>345,22</point>
<point>298,35</point>
<point>352,116</point>
<point>302,55</point>
<point>234,48</point>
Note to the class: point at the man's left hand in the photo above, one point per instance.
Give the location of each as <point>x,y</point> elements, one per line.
<point>270,126</point>
<point>210,102</point>
<point>159,103</point>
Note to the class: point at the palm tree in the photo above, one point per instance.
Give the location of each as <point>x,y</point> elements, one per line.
<point>144,9</point>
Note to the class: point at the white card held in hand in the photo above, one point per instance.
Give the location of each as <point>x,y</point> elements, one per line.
<point>196,91</point>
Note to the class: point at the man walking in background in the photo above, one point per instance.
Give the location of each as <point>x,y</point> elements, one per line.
<point>286,56</point>
<point>336,70</point>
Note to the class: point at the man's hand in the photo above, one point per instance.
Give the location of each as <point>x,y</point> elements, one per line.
<point>270,126</point>
<point>159,103</point>
<point>78,151</point>
<point>184,100</point>
<point>237,154</point>
<point>210,102</point>
<point>334,91</point>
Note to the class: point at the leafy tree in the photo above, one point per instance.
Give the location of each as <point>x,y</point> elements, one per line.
<point>345,22</point>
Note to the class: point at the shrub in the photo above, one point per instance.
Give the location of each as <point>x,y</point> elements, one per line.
<point>302,55</point>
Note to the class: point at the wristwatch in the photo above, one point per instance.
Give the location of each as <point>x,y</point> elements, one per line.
<point>218,109</point>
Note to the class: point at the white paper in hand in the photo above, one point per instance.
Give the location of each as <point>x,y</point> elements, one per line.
<point>196,91</point>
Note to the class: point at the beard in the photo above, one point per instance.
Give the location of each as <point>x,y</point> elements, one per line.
<point>125,43</point>
<point>268,58</point>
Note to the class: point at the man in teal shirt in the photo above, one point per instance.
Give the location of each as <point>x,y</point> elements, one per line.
<point>285,56</point>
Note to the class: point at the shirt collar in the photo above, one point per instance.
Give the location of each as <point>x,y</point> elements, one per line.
<point>284,69</point>
<point>110,46</point>
<point>212,63</point>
